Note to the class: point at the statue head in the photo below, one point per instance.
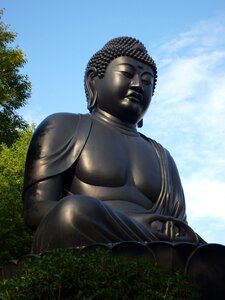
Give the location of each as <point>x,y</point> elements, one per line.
<point>125,47</point>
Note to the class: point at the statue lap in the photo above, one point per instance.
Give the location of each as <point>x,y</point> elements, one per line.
<point>80,220</point>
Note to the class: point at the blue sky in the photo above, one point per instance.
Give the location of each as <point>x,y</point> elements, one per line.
<point>187,41</point>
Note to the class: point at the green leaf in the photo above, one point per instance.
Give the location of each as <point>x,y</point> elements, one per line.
<point>15,88</point>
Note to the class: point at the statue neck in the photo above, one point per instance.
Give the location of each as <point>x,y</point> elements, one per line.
<point>114,122</point>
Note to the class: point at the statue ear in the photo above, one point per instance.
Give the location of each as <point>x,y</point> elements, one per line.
<point>140,123</point>
<point>90,76</point>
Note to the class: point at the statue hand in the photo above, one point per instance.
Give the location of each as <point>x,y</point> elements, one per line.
<point>172,229</point>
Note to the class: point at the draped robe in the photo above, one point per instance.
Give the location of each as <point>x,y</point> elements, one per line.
<point>53,150</point>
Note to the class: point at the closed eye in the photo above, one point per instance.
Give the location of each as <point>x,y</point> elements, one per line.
<point>127,74</point>
<point>147,78</point>
<point>146,82</point>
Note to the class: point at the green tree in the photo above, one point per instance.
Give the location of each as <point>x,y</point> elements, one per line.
<point>15,238</point>
<point>96,275</point>
<point>15,87</point>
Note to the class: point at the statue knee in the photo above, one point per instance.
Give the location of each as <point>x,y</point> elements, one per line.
<point>76,209</point>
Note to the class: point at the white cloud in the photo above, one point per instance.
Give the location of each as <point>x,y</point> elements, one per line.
<point>203,194</point>
<point>204,36</point>
<point>187,77</point>
<point>32,115</point>
<point>188,117</point>
<point>206,206</point>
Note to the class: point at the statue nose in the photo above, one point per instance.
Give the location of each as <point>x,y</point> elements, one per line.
<point>136,83</point>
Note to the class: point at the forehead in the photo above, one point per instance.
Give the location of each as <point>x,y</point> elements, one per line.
<point>129,61</point>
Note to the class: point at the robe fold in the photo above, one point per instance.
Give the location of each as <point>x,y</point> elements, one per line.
<point>55,147</point>
<point>53,150</point>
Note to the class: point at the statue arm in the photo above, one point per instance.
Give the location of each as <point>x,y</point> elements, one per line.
<point>175,226</point>
<point>171,201</point>
<point>54,147</point>
<point>40,198</point>
<point>179,209</point>
<point>169,220</point>
<point>42,185</point>
<point>177,193</point>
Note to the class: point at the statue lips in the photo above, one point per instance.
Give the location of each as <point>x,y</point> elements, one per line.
<point>135,97</point>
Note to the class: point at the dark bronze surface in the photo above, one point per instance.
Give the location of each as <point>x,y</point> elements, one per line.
<point>93,178</point>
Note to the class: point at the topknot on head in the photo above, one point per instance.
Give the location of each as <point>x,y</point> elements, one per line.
<point>121,46</point>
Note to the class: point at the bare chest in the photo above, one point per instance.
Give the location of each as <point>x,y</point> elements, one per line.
<point>114,160</point>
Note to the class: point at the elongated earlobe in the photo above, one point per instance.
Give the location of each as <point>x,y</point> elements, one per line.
<point>90,75</point>
<point>140,123</point>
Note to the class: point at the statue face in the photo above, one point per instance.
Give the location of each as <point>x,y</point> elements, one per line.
<point>125,91</point>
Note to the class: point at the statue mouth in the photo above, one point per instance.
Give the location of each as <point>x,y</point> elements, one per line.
<point>135,97</point>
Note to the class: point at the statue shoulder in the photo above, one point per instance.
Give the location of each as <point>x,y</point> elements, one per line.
<point>59,119</point>
<point>163,154</point>
<point>156,145</point>
<point>55,144</point>
<point>58,127</point>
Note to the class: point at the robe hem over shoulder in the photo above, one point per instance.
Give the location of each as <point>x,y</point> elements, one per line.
<point>58,142</point>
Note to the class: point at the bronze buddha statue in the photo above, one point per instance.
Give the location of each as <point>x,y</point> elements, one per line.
<point>93,178</point>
